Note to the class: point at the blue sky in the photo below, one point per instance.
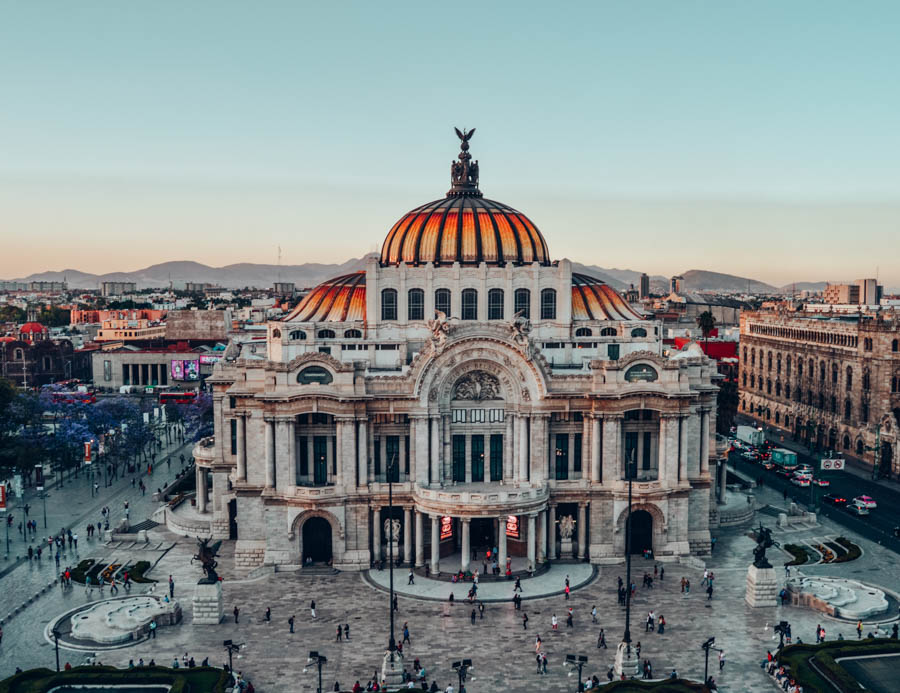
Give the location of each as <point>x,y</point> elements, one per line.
<point>753,138</point>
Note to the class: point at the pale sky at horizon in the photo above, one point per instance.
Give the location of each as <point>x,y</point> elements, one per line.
<point>757,139</point>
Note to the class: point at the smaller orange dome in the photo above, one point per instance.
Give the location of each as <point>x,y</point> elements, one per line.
<point>32,327</point>
<point>342,299</point>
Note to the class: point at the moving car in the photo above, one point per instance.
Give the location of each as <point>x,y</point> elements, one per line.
<point>747,455</point>
<point>768,464</point>
<point>834,499</point>
<point>821,482</point>
<point>783,473</point>
<point>866,501</point>
<point>802,481</point>
<point>803,474</point>
<point>857,508</point>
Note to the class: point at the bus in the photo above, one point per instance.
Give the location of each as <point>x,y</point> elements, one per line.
<point>73,397</point>
<point>177,396</point>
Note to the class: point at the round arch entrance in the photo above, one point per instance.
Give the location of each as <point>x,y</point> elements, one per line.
<point>641,531</point>
<point>316,540</point>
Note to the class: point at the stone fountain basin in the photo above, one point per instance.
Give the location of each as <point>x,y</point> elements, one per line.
<point>121,620</point>
<point>840,597</point>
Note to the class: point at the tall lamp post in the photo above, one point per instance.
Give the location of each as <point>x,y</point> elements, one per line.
<point>56,635</point>
<point>626,662</point>
<point>319,660</point>
<point>392,665</point>
<point>462,670</point>
<point>577,663</point>
<point>707,646</point>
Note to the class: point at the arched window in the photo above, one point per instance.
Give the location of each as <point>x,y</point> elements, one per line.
<point>822,371</point>
<point>821,401</point>
<point>46,363</point>
<point>19,355</point>
<point>812,369</point>
<point>833,404</point>
<point>389,304</point>
<point>787,365</point>
<point>297,334</point>
<point>415,304</point>
<point>276,334</point>
<point>768,386</point>
<point>799,368</point>
<point>866,380</point>
<point>639,332</point>
<point>859,447</point>
<point>778,364</point>
<point>848,409</point>
<point>495,304</point>
<point>752,380</point>
<point>834,373</point>
<point>845,442</point>
<point>778,389</point>
<point>583,332</point>
<point>522,300</point>
<point>777,416</point>
<point>744,379</point>
<point>864,411</point>
<point>867,344</point>
<point>752,357</point>
<point>745,354</point>
<point>442,301</point>
<point>769,362</point>
<point>849,377</point>
<point>548,304</point>
<point>895,384</point>
<point>352,334</point>
<point>787,390</point>
<point>608,332</point>
<point>469,304</point>
<point>326,334</point>
<point>895,345</point>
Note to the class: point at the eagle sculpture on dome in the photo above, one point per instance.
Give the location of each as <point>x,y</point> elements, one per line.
<point>464,172</point>
<point>465,136</point>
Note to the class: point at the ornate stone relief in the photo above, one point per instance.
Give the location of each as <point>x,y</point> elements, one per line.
<point>566,526</point>
<point>477,385</point>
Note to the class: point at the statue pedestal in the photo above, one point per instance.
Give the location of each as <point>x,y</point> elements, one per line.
<point>208,605</point>
<point>565,548</point>
<point>762,587</point>
<point>392,669</point>
<point>626,661</point>
<point>395,547</point>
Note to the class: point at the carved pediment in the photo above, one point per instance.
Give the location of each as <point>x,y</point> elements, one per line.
<point>477,385</point>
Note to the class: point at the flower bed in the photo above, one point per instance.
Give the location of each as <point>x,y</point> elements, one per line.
<point>798,552</point>
<point>801,658</point>
<point>853,551</point>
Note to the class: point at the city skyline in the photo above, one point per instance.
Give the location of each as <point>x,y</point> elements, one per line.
<point>728,139</point>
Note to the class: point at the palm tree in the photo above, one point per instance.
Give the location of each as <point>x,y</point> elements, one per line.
<point>706,321</point>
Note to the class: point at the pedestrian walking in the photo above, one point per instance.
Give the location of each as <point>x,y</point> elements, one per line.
<point>524,621</point>
<point>569,620</point>
<point>405,633</point>
<point>567,593</point>
<point>237,613</point>
<point>661,625</point>
<point>601,640</point>
<point>153,627</point>
<point>518,587</point>
<point>268,616</point>
<point>721,659</point>
<point>481,610</point>
<point>291,624</point>
<point>687,587</point>
<point>312,609</point>
<point>594,614</point>
<point>554,623</point>
<point>473,617</point>
<point>411,580</point>
<point>662,571</point>
<point>339,633</point>
<point>171,588</point>
<point>683,583</point>
<point>859,628</point>
<point>709,591</point>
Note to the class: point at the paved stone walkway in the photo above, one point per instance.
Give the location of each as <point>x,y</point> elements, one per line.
<point>502,651</point>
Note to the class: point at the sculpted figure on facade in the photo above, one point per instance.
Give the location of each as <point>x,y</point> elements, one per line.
<point>440,330</point>
<point>392,529</point>
<point>520,328</point>
<point>477,386</point>
<point>566,526</point>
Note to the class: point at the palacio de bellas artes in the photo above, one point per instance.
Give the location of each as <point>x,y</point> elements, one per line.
<point>500,395</point>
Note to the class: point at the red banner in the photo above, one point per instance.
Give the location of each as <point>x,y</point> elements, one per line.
<point>2,496</point>
<point>446,527</point>
<point>87,452</point>
<point>512,526</point>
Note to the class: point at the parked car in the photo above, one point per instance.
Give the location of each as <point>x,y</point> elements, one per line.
<point>800,481</point>
<point>823,483</point>
<point>834,499</point>
<point>866,501</point>
<point>857,508</point>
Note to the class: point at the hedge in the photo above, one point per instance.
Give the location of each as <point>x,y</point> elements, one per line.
<point>196,680</point>
<point>798,657</point>
<point>78,572</point>
<point>798,552</point>
<point>853,551</point>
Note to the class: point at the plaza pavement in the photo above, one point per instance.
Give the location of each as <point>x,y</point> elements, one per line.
<point>503,654</point>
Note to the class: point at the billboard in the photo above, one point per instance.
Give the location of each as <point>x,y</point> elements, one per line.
<point>446,527</point>
<point>208,359</point>
<point>512,526</point>
<point>3,497</point>
<point>185,370</point>
<point>39,476</point>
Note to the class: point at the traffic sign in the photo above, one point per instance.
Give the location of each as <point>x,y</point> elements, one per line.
<point>832,464</point>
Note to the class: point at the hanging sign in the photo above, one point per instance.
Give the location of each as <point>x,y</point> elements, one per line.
<point>512,526</point>
<point>39,476</point>
<point>3,497</point>
<point>446,527</point>
<point>87,452</point>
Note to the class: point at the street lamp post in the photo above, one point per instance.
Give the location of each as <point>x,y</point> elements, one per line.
<point>56,635</point>
<point>626,662</point>
<point>319,659</point>
<point>577,662</point>
<point>462,670</point>
<point>707,646</point>
<point>391,670</point>
<point>231,648</point>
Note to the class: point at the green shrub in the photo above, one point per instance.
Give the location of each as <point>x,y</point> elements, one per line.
<point>136,572</point>
<point>798,657</point>
<point>78,572</point>
<point>205,679</point>
<point>798,552</point>
<point>853,551</point>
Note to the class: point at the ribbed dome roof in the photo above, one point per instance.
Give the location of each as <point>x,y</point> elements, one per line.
<point>593,299</point>
<point>464,229</point>
<point>32,327</point>
<point>342,299</point>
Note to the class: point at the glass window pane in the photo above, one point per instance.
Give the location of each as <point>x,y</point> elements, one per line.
<point>548,304</point>
<point>469,304</point>
<point>523,303</point>
<point>495,304</point>
<point>416,304</point>
<point>442,301</point>
<point>477,458</point>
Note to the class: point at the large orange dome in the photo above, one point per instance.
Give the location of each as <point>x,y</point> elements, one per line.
<point>464,227</point>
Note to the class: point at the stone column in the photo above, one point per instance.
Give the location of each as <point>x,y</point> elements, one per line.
<point>586,432</point>
<point>407,535</point>
<point>284,433</point>
<point>509,443</point>
<point>531,541</point>
<point>539,457</point>
<point>704,442</point>
<point>582,531</point>
<point>466,551</point>
<point>401,457</point>
<point>682,449</point>
<point>435,544</point>
<point>611,462</point>
<point>723,480</point>
<point>420,459</point>
<point>468,458</point>
<point>241,448</point>
<point>376,534</point>
<point>662,448</point>
<point>420,541</point>
<point>501,546</point>
<point>596,475</point>
<point>435,451</point>
<point>523,447</point>
<point>338,451</point>
<point>551,529</point>
<point>446,449</point>
<point>270,452</point>
<point>362,454</point>
<point>201,489</point>
<point>329,458</point>
<point>542,537</point>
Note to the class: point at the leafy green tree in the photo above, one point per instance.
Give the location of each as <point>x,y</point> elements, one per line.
<point>706,321</point>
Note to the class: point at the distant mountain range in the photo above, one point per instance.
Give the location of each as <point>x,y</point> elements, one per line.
<point>312,273</point>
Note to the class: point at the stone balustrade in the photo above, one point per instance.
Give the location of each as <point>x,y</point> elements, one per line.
<point>480,500</point>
